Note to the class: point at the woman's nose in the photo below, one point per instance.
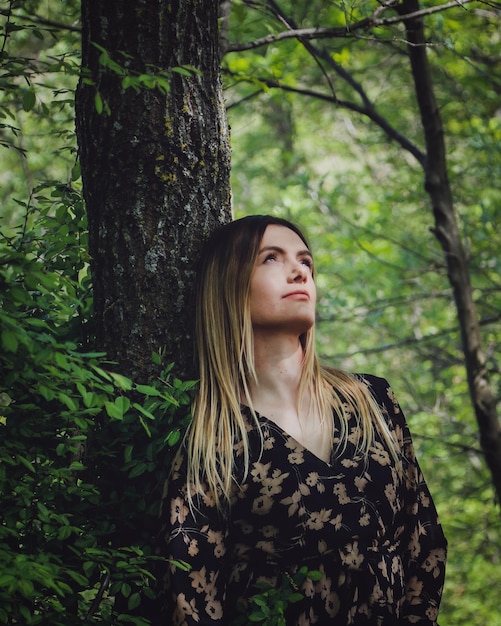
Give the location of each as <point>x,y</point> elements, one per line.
<point>298,273</point>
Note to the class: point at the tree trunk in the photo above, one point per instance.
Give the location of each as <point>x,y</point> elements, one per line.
<point>447,233</point>
<point>155,171</point>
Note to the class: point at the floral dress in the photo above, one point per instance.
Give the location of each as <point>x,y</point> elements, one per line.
<point>353,541</point>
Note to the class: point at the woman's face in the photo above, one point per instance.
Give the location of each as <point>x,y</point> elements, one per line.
<point>282,291</point>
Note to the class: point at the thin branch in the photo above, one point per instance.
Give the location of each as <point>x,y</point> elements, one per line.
<point>105,583</point>
<point>244,99</point>
<point>289,23</point>
<point>8,14</point>
<point>368,109</point>
<point>369,112</point>
<point>318,54</point>
<point>409,341</point>
<point>453,445</point>
<point>301,33</point>
<point>330,212</point>
<point>345,31</point>
<point>38,20</point>
<point>374,307</point>
<point>424,12</point>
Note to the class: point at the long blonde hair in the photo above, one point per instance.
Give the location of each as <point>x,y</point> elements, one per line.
<point>224,342</point>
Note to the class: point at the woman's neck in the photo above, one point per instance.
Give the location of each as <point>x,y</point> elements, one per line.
<point>278,362</point>
<point>275,394</point>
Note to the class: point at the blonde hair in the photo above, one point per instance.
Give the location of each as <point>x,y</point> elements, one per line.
<point>224,342</point>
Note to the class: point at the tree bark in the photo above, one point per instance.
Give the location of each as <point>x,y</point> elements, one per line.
<point>447,232</point>
<point>155,172</point>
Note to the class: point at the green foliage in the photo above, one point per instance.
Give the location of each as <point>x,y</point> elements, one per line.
<point>84,449</point>
<point>152,78</point>
<point>39,68</point>
<point>268,606</point>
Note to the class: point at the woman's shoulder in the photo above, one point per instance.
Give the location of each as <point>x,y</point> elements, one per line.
<point>382,392</point>
<point>378,385</point>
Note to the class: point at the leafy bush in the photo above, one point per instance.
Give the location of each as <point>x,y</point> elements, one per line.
<point>84,449</point>
<point>268,606</point>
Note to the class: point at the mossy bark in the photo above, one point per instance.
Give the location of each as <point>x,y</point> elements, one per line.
<point>155,170</point>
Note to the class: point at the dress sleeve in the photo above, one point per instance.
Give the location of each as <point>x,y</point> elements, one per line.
<point>194,568</point>
<point>425,546</point>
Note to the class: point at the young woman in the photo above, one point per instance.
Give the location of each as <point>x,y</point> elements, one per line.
<point>294,481</point>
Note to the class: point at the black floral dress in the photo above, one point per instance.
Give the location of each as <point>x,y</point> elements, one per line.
<point>367,530</point>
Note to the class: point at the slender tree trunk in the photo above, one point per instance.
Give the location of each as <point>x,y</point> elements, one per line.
<point>447,233</point>
<point>155,170</point>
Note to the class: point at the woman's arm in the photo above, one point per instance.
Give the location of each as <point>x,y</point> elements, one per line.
<point>425,547</point>
<point>193,542</point>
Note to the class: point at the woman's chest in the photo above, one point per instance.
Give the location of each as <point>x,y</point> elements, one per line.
<point>290,497</point>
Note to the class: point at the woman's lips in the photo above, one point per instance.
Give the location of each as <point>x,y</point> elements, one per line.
<point>298,294</point>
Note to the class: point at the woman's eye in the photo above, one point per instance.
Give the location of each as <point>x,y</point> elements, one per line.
<point>308,263</point>
<point>270,257</point>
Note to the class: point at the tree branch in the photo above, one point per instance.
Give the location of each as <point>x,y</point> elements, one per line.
<point>38,20</point>
<point>373,21</point>
<point>368,111</point>
<point>408,341</point>
<point>452,445</point>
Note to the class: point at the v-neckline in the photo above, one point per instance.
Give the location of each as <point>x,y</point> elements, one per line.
<point>287,435</point>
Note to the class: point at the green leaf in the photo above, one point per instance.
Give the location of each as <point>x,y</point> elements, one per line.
<point>148,390</point>
<point>134,601</point>
<point>114,410</point>
<point>295,597</point>
<point>9,340</point>
<point>103,373</point>
<point>28,99</point>
<point>145,426</point>
<point>67,401</point>
<point>182,565</point>
<point>263,603</point>
<point>25,612</point>
<point>257,616</point>
<point>78,578</point>
<point>121,381</point>
<point>26,463</point>
<point>123,403</point>
<point>46,392</point>
<point>76,466</point>
<point>128,453</point>
<point>125,589</point>
<point>138,470</point>
<point>63,533</point>
<point>144,411</point>
<point>173,437</point>
<point>186,70</point>
<point>89,567</point>
<point>314,575</point>
<point>156,358</point>
<point>127,82</point>
<point>5,399</point>
<point>98,102</point>
<point>62,361</point>
<point>76,171</point>
<point>33,321</point>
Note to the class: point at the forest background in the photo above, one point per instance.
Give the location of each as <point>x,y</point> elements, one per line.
<point>81,438</point>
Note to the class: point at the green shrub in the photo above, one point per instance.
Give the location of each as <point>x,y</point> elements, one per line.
<point>84,449</point>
